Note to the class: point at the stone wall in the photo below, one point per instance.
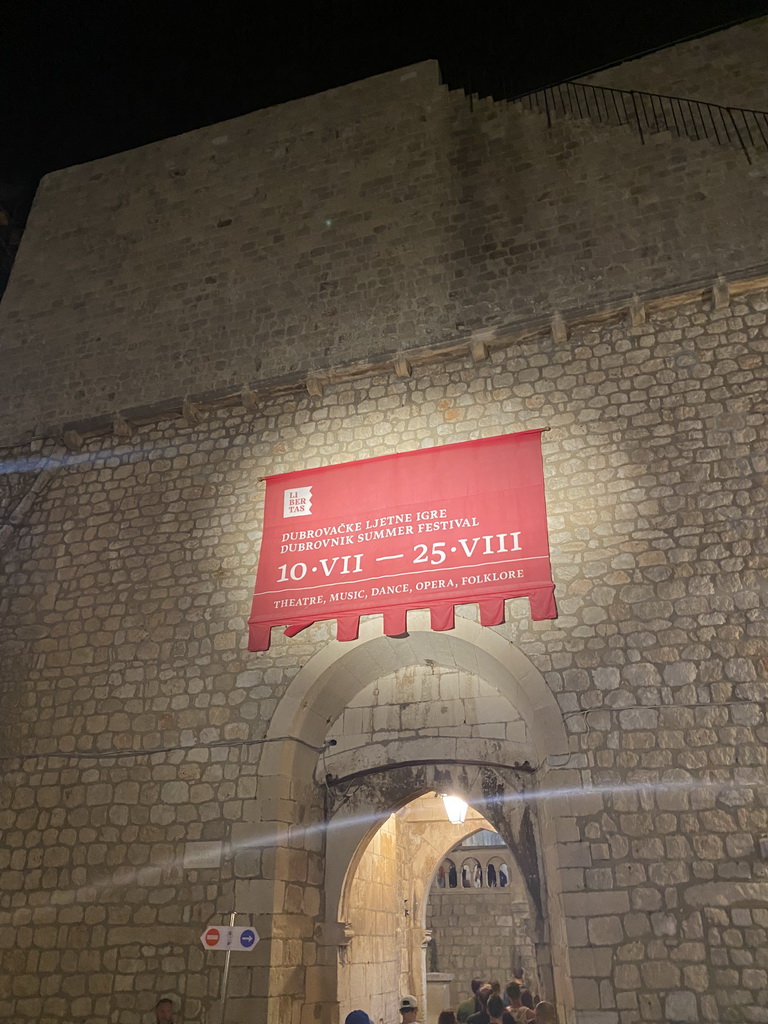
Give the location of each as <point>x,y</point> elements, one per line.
<point>373,962</point>
<point>140,719</point>
<point>729,68</point>
<point>388,215</point>
<point>481,933</point>
<point>422,703</point>
<point>157,776</point>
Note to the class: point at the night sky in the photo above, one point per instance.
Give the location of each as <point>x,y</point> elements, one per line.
<point>80,79</point>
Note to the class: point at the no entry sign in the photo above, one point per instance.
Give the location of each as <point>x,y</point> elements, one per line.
<point>223,937</point>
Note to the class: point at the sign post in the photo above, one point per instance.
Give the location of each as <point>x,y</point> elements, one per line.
<point>228,938</point>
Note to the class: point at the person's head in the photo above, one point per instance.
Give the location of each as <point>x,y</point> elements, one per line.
<point>477,984</point>
<point>164,1010</point>
<point>513,994</point>
<point>495,1007</point>
<point>495,987</point>
<point>408,1009</point>
<point>545,1013</point>
<point>447,1017</point>
<point>526,998</point>
<point>357,1017</point>
<point>482,995</point>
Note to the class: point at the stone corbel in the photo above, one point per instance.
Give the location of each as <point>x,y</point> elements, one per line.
<point>121,427</point>
<point>478,350</point>
<point>250,400</point>
<point>721,295</point>
<point>339,934</point>
<point>559,329</point>
<point>402,367</point>
<point>72,440</point>
<point>192,412</point>
<point>636,311</point>
<point>478,344</point>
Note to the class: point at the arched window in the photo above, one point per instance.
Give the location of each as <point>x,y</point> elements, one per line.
<point>446,875</point>
<point>498,873</point>
<point>471,874</point>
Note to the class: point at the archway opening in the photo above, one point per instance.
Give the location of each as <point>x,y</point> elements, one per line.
<point>479,921</point>
<point>396,720</point>
<point>409,930</point>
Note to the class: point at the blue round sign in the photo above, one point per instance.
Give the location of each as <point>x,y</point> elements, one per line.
<point>248,938</point>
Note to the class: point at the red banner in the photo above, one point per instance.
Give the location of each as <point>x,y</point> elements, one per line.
<point>430,529</point>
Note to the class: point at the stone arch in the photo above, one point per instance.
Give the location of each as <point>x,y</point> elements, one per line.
<point>323,687</point>
<point>426,842</point>
<point>350,831</point>
<point>521,936</point>
<point>313,700</point>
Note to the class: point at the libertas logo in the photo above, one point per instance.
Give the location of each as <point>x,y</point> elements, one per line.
<point>297,501</point>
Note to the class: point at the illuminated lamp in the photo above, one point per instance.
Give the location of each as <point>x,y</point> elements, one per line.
<point>455,808</point>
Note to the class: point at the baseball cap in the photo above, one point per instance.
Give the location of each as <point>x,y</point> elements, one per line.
<point>408,1003</point>
<point>358,1017</point>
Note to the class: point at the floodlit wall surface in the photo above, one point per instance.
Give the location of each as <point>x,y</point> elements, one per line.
<point>125,595</point>
<point>480,933</point>
<point>387,215</point>
<point>156,774</point>
<point>373,963</point>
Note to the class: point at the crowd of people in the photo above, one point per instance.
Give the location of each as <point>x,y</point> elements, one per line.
<point>487,1005</point>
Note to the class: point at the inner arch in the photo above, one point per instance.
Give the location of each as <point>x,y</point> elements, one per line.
<point>327,683</point>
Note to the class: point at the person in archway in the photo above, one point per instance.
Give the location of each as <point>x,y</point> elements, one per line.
<point>495,1008</point>
<point>545,1013</point>
<point>358,1017</point>
<point>512,1014</point>
<point>409,1009</point>
<point>471,1005</point>
<point>481,1017</point>
<point>165,1011</point>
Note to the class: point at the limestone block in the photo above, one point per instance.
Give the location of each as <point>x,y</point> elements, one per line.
<point>175,793</point>
<point>605,931</point>
<point>259,896</point>
<point>574,855</point>
<point>567,830</point>
<point>627,976</point>
<point>740,845</point>
<point>660,974</point>
<point>591,963</point>
<point>586,997</point>
<point>726,894</point>
<point>576,931</point>
<point>681,1006</point>
<point>593,904</point>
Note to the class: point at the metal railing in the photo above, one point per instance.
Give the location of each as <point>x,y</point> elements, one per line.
<point>648,113</point>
